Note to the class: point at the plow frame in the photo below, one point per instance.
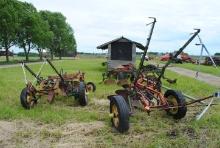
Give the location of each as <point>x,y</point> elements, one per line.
<point>52,86</point>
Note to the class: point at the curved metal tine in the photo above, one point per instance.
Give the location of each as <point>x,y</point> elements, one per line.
<point>38,73</point>
<point>24,72</point>
<point>198,117</point>
<point>216,95</point>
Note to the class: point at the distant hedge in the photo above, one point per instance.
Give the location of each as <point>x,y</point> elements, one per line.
<point>31,54</point>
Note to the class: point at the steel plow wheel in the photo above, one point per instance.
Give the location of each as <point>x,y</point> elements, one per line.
<point>119,113</point>
<point>90,87</point>
<point>27,99</point>
<point>176,104</point>
<point>173,104</point>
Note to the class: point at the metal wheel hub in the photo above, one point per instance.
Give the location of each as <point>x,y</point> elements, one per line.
<point>115,115</point>
<point>172,103</point>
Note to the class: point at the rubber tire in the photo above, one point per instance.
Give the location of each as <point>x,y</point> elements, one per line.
<point>181,102</point>
<point>23,98</point>
<point>93,85</point>
<point>83,98</point>
<point>123,110</point>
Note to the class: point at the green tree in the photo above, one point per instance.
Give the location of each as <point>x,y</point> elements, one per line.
<point>32,29</point>
<point>63,37</point>
<point>44,40</point>
<point>44,37</point>
<point>9,23</point>
<point>56,23</point>
<point>68,41</point>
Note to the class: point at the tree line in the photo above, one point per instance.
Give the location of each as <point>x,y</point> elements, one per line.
<point>22,25</point>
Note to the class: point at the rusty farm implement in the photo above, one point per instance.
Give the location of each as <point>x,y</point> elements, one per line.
<point>61,84</point>
<point>121,60</point>
<point>146,91</point>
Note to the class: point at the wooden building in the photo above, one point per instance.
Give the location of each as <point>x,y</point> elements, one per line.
<point>3,53</point>
<point>121,51</point>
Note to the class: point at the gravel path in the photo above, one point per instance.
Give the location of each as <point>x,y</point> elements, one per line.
<point>208,78</point>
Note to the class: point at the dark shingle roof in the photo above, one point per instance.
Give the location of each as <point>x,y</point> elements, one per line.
<point>105,45</point>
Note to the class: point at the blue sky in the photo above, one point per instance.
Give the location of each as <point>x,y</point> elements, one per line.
<point>98,21</point>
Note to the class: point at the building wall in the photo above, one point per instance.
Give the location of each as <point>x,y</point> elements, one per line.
<point>113,64</point>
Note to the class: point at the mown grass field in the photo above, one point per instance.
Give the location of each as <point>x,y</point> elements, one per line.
<point>156,130</point>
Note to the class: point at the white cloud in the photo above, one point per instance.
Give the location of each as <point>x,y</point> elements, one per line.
<point>98,21</point>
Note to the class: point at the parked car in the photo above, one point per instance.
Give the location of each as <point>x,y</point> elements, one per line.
<point>165,57</point>
<point>183,57</point>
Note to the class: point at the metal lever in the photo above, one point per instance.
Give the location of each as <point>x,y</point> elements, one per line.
<point>154,20</point>
<point>146,48</point>
<point>178,53</point>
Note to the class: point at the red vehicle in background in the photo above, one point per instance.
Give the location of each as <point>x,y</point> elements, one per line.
<point>165,57</point>
<point>183,57</point>
<point>186,58</point>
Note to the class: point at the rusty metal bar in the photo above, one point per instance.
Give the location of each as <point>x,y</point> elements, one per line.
<point>199,100</point>
<point>185,95</point>
<point>146,48</point>
<point>61,77</point>
<point>171,107</point>
<point>177,53</point>
<point>31,72</point>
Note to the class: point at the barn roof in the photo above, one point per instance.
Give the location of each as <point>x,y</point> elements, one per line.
<point>105,45</point>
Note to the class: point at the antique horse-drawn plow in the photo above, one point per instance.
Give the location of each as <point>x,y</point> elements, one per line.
<point>146,89</point>
<point>62,84</point>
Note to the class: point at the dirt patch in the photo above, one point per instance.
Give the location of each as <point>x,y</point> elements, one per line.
<point>6,132</point>
<point>173,133</point>
<point>29,134</point>
<point>190,132</point>
<point>101,102</point>
<point>79,134</point>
